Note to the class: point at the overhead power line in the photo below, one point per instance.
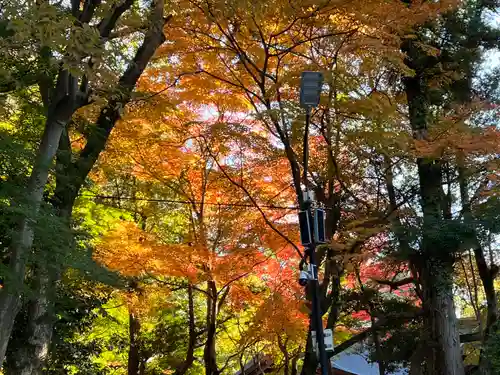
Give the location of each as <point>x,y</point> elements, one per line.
<point>178,201</point>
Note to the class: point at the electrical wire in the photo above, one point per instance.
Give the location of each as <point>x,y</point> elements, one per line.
<point>178,201</point>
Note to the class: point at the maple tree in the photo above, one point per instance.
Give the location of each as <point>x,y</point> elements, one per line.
<point>204,169</point>
<point>226,242</point>
<point>261,62</point>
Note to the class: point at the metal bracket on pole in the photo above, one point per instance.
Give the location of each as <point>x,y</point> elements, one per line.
<point>327,339</point>
<point>312,271</point>
<point>308,196</point>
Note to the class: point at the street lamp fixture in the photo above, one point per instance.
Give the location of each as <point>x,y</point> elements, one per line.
<point>310,89</point>
<point>310,92</point>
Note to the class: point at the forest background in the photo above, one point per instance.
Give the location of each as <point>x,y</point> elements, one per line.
<point>150,177</point>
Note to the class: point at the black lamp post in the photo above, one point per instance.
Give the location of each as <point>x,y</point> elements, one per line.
<point>312,221</point>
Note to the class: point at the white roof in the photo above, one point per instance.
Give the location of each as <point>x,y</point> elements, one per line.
<point>357,364</point>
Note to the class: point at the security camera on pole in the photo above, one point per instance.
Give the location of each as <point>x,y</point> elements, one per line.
<point>312,219</point>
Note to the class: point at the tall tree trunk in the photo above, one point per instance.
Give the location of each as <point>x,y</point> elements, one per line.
<point>444,354</point>
<point>10,295</point>
<point>71,176</point>
<point>134,357</point>
<point>209,353</point>
<point>29,359</point>
<point>436,262</point>
<point>286,355</point>
<point>488,279</point>
<point>376,341</point>
<point>286,367</point>
<point>416,361</point>
<point>41,315</point>
<point>188,362</point>
<point>29,355</point>
<point>294,364</point>
<point>60,105</point>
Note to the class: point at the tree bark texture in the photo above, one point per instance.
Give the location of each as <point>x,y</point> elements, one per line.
<point>443,356</point>
<point>10,295</point>
<point>32,350</point>
<point>443,352</point>
<point>294,365</point>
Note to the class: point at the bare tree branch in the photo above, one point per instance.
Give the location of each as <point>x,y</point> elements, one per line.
<point>395,284</point>
<point>254,202</point>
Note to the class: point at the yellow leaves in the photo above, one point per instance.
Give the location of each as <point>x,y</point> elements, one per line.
<point>121,251</point>
<point>279,316</point>
<point>453,135</point>
<point>133,252</point>
<point>147,299</point>
<point>249,47</point>
<point>428,49</point>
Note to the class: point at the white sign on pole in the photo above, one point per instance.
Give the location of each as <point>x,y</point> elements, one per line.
<point>328,339</point>
<point>328,334</point>
<point>315,343</point>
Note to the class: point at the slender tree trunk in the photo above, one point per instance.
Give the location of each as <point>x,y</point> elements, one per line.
<point>286,368</point>
<point>378,349</point>
<point>294,365</point>
<point>209,354</point>
<point>286,355</point>
<point>492,310</point>
<point>186,365</point>
<point>134,358</point>
<point>142,368</point>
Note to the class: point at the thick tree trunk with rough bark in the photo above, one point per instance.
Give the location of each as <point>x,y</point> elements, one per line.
<point>443,353</point>
<point>28,358</point>
<point>10,295</point>
<point>435,263</point>
<point>440,324</point>
<point>294,365</point>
